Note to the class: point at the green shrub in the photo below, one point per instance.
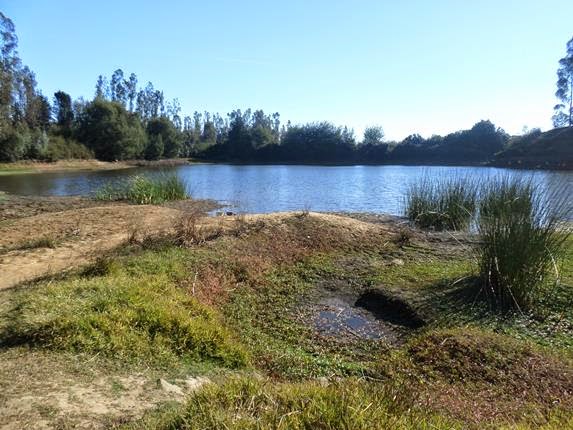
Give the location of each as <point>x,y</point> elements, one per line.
<point>59,148</point>
<point>13,144</point>
<point>144,190</point>
<point>441,205</point>
<point>144,318</point>
<point>520,241</point>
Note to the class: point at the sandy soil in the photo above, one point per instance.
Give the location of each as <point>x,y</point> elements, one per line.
<point>79,393</point>
<point>44,236</point>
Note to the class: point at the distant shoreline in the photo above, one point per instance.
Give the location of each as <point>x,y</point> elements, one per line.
<point>29,167</point>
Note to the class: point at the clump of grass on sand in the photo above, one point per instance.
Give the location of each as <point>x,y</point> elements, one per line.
<point>41,242</point>
<point>521,242</point>
<point>143,318</point>
<point>441,205</point>
<point>145,190</point>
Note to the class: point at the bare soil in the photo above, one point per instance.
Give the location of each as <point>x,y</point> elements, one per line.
<point>77,229</point>
<point>40,392</point>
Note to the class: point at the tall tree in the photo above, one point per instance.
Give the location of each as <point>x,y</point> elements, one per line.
<point>101,88</point>
<point>373,135</point>
<point>564,111</point>
<point>131,86</point>
<point>9,64</point>
<point>63,112</point>
<point>111,132</point>
<point>117,87</point>
<point>171,140</point>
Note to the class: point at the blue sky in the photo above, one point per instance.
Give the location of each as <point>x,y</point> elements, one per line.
<point>411,66</point>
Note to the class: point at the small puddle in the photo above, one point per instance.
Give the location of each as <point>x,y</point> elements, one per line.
<point>374,316</point>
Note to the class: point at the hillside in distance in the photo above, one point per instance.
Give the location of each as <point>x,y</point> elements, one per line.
<point>548,150</point>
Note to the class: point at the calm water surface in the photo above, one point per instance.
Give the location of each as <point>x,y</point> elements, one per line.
<point>258,189</point>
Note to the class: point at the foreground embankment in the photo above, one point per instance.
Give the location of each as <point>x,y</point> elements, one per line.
<point>167,318</point>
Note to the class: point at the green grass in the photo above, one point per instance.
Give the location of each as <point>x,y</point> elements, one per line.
<point>144,190</point>
<point>254,403</point>
<point>143,317</point>
<point>441,205</point>
<point>520,244</point>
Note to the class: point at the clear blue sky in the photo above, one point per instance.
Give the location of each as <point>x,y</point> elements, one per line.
<point>429,66</point>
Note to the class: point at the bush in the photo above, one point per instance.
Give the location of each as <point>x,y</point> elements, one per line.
<point>441,205</point>
<point>144,190</point>
<point>59,148</point>
<point>13,145</point>
<point>521,241</point>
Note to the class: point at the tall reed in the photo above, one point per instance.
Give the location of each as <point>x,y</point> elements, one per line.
<point>441,205</point>
<point>521,241</point>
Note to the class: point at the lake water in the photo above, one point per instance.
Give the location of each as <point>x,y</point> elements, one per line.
<point>258,189</point>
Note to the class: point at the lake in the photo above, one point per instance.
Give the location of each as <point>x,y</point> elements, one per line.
<point>259,189</point>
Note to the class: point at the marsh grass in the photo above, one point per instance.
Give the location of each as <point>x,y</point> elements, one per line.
<point>441,205</point>
<point>143,190</point>
<point>521,242</point>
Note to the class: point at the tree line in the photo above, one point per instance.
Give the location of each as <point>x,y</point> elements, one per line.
<point>124,121</point>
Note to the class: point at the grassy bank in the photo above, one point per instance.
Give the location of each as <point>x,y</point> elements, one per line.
<point>253,305</point>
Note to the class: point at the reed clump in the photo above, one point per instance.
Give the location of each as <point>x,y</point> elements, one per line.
<point>521,242</point>
<point>441,205</point>
<point>144,190</point>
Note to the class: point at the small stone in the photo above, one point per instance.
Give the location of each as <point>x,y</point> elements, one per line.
<point>170,388</point>
<point>194,383</point>
<point>397,262</point>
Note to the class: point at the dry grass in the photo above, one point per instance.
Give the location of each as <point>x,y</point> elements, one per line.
<point>478,376</point>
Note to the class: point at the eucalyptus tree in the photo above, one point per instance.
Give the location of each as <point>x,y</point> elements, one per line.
<point>563,116</point>
<point>131,89</point>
